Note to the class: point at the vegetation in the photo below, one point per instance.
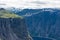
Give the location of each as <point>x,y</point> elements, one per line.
<point>7,14</point>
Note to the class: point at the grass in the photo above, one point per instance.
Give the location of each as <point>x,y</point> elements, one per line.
<point>7,14</point>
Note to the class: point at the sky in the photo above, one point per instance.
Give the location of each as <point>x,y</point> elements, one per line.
<point>30,3</point>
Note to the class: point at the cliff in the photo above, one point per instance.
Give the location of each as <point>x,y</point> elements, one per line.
<point>12,26</point>
<point>43,23</point>
<point>13,29</point>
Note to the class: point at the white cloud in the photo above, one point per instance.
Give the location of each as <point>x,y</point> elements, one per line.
<point>31,3</point>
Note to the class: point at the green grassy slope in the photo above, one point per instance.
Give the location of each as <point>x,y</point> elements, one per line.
<point>7,14</point>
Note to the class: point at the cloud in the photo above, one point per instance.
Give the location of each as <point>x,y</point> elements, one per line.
<point>39,2</point>
<point>31,3</point>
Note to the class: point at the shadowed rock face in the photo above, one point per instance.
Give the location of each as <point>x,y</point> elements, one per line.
<point>12,26</point>
<point>44,23</point>
<point>13,29</point>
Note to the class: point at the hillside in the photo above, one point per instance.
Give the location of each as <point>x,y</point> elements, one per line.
<point>43,23</point>
<point>12,26</point>
<point>7,14</point>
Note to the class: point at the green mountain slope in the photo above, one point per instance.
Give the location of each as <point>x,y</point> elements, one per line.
<point>7,14</point>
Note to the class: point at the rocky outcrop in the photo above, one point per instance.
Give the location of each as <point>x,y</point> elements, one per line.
<point>13,29</point>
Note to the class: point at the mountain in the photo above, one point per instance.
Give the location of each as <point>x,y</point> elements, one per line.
<point>43,22</point>
<point>12,26</point>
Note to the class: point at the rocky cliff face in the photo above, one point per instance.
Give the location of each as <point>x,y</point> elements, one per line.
<point>13,29</point>
<point>12,26</point>
<point>44,23</point>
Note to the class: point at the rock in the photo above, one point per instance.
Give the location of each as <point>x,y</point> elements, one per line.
<point>13,29</point>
